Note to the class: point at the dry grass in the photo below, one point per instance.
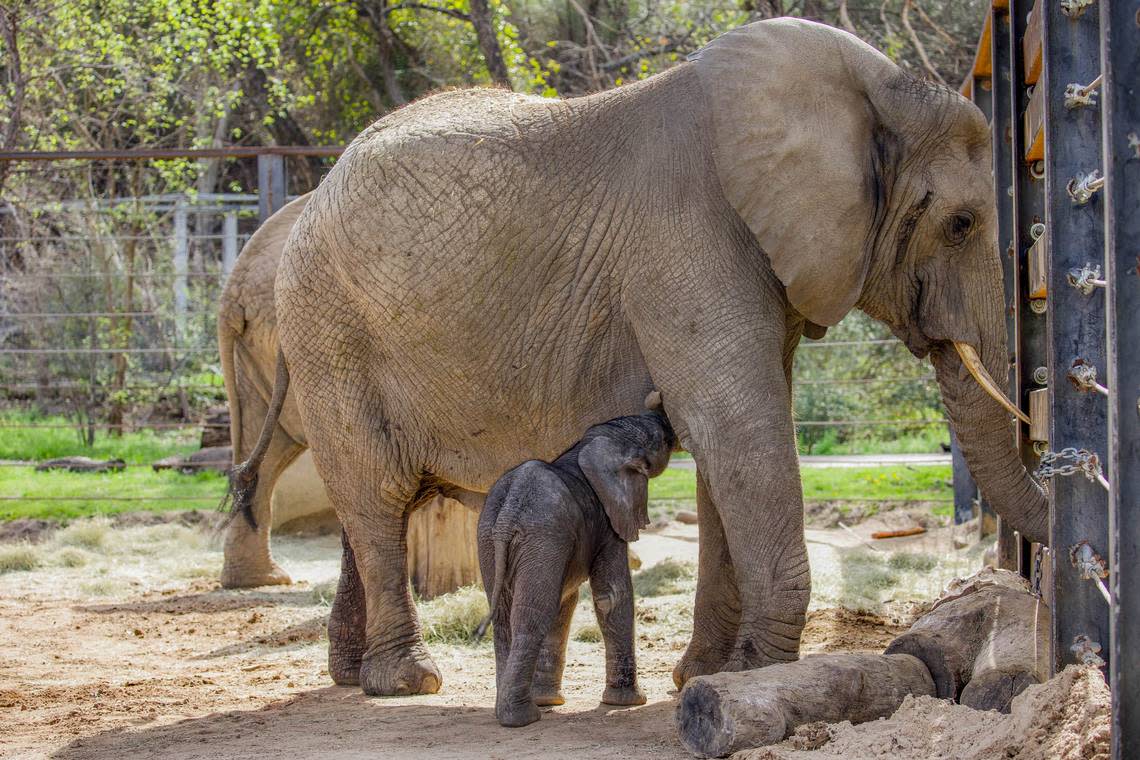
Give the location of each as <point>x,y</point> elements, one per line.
<point>453,618</point>
<point>18,558</point>
<point>669,576</point>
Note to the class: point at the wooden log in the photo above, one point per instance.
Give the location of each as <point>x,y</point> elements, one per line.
<point>984,642</point>
<point>442,550</point>
<point>727,712</point>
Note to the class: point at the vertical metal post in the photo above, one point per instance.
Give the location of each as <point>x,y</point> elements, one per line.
<point>271,188</point>
<point>965,490</point>
<point>1075,326</point>
<point>181,260</point>
<point>1120,113</point>
<point>229,242</point>
<point>1028,210</point>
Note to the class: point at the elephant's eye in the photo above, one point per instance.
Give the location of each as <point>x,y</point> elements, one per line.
<point>957,226</point>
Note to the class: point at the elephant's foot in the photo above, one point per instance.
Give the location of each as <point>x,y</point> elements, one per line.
<point>696,663</point>
<point>344,665</point>
<point>515,714</point>
<point>237,576</point>
<point>625,696</point>
<point>547,695</point>
<point>412,673</point>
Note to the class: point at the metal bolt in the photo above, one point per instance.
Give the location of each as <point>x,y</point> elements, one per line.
<point>1040,447</point>
<point>1083,376</point>
<point>1037,305</point>
<point>1089,564</point>
<point>1082,187</point>
<point>1037,230</point>
<point>1037,169</point>
<point>1133,139</point>
<point>1086,278</point>
<point>1081,96</point>
<point>1074,8</point>
<point>1041,375</point>
<point>1087,651</point>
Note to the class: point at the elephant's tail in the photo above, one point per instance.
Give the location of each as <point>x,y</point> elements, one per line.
<point>243,477</point>
<point>496,587</point>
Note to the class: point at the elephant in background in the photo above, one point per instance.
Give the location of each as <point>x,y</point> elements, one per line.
<point>247,340</point>
<point>485,275</point>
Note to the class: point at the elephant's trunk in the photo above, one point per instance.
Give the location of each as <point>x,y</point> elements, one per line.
<point>982,425</point>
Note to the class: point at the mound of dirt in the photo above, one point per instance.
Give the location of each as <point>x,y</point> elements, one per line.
<point>1066,718</point>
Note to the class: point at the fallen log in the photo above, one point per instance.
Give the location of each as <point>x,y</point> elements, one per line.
<point>725,712</point>
<point>82,464</point>
<point>984,642</point>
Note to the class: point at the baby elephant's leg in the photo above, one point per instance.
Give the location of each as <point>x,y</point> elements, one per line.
<point>552,657</point>
<point>612,590</point>
<point>534,607</point>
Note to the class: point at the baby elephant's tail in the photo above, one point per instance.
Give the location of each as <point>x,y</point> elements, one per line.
<point>496,588</point>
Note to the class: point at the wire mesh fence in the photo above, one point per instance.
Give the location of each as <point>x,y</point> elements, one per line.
<point>112,270</point>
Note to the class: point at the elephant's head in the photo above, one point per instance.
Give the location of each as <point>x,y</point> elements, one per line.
<point>618,458</point>
<point>868,188</point>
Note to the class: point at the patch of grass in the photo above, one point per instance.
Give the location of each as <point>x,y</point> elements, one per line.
<point>70,556</point>
<point>589,633</point>
<point>453,618</point>
<point>100,587</point>
<point>138,447</point>
<point>919,562</point>
<point>670,576</point>
<point>86,534</point>
<point>18,558</point>
<point>169,491</point>
<point>677,489</point>
<point>927,440</point>
<point>323,593</point>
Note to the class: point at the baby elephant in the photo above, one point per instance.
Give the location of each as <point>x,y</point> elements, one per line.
<point>544,529</point>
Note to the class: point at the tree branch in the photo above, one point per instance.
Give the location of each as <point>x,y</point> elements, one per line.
<point>10,31</point>
<point>425,7</point>
<point>625,60</point>
<point>845,19</point>
<point>926,64</point>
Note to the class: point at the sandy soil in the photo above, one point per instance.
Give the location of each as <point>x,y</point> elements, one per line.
<point>120,644</point>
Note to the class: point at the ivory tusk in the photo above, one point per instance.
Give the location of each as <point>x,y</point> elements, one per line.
<point>974,365</point>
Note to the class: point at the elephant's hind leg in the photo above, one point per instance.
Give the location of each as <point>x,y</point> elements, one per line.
<point>552,657</point>
<point>347,621</point>
<point>373,496</point>
<point>248,561</point>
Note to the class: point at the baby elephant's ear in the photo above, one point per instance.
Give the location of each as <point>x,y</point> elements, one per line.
<point>618,476</point>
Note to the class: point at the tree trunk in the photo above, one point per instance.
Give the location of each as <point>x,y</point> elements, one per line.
<point>984,643</point>
<point>442,551</point>
<point>489,42</point>
<point>727,712</point>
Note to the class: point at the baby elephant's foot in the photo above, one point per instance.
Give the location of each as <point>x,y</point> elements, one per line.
<point>625,696</point>
<point>548,697</point>
<point>517,714</point>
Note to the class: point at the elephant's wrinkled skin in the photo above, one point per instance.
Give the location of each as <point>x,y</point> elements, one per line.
<point>544,530</point>
<point>484,275</point>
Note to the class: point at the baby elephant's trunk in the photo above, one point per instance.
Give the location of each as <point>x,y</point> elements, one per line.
<point>243,477</point>
<point>496,588</point>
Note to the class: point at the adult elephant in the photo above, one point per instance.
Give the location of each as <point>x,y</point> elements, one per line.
<point>485,275</point>
<point>247,343</point>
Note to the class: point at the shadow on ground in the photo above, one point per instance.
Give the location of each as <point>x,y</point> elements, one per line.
<point>339,722</point>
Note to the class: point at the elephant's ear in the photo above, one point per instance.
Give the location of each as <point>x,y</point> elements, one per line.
<point>796,144</point>
<point>618,476</point>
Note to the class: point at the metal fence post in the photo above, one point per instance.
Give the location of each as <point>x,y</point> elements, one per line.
<point>1074,321</point>
<point>1120,116</point>
<point>1001,130</point>
<point>965,490</point>
<point>1028,214</point>
<point>229,241</point>
<point>181,260</point>
<point>271,186</point>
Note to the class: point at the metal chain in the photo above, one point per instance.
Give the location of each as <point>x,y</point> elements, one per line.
<point>1086,463</point>
<point>1038,560</point>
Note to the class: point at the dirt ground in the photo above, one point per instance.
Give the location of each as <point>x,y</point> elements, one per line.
<point>119,643</point>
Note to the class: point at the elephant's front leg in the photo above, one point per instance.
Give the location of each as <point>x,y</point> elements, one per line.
<point>716,613</point>
<point>757,495</point>
<point>612,589</point>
